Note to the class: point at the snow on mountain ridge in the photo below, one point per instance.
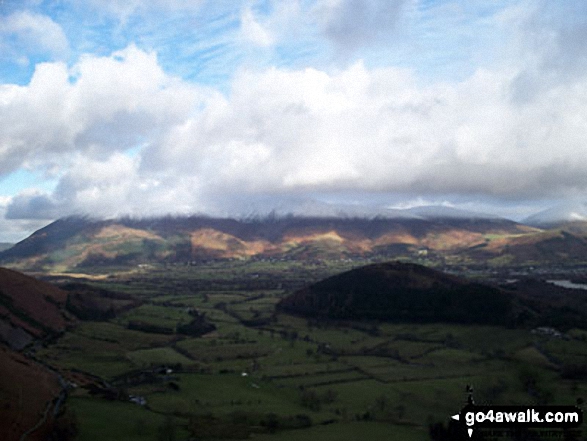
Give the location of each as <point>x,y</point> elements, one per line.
<point>567,212</point>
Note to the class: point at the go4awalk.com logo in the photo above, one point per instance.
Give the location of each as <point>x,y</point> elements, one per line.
<point>518,417</point>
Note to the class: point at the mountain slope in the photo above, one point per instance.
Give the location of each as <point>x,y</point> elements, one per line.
<point>77,243</point>
<point>568,212</point>
<point>555,246</point>
<point>29,308</point>
<point>26,391</point>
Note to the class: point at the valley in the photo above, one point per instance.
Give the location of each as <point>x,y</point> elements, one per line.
<point>283,329</point>
<point>330,220</point>
<point>264,375</point>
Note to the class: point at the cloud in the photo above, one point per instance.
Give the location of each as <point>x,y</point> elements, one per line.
<point>34,34</point>
<point>108,187</point>
<point>377,130</point>
<point>545,46</point>
<point>332,29</point>
<point>100,105</point>
<point>286,132</point>
<point>128,138</point>
<point>253,31</point>
<point>32,205</point>
<point>349,24</point>
<point>123,10</point>
<point>14,230</point>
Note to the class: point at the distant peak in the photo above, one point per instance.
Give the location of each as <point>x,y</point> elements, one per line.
<point>575,211</point>
<point>442,211</point>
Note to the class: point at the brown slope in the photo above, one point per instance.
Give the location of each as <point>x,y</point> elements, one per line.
<point>29,308</point>
<point>71,243</point>
<point>578,228</point>
<point>26,390</point>
<point>30,304</point>
<point>550,246</point>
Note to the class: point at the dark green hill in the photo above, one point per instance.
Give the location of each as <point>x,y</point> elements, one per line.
<point>402,292</point>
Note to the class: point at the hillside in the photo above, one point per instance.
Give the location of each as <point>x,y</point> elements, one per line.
<point>29,309</point>
<point>401,292</point>
<point>77,243</point>
<point>555,246</point>
<point>26,391</point>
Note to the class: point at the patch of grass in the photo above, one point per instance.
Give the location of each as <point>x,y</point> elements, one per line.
<point>372,431</point>
<point>157,356</point>
<point>101,420</point>
<point>533,356</point>
<point>209,351</point>
<point>102,358</point>
<point>567,351</point>
<point>156,315</point>
<point>225,393</point>
<point>126,338</point>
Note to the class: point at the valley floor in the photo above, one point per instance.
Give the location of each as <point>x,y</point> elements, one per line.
<point>279,377</point>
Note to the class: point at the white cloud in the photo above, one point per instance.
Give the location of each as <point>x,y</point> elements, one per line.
<point>5,200</point>
<point>286,132</point>
<point>108,187</point>
<point>35,33</point>
<point>124,9</point>
<point>545,45</point>
<point>349,24</point>
<point>378,130</point>
<point>421,202</point>
<point>253,31</point>
<point>345,25</point>
<point>100,105</point>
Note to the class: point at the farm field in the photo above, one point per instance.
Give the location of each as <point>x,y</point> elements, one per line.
<point>271,376</point>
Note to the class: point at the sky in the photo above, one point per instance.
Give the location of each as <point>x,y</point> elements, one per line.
<point>228,107</point>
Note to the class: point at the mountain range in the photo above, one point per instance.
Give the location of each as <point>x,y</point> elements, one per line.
<point>436,235</point>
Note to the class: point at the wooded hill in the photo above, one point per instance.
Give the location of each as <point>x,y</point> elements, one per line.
<point>410,293</point>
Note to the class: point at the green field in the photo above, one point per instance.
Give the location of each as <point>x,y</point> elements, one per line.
<point>289,378</point>
<point>101,420</point>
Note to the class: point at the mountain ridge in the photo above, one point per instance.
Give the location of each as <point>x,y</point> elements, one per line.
<point>76,242</point>
<point>566,213</point>
<point>446,237</point>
